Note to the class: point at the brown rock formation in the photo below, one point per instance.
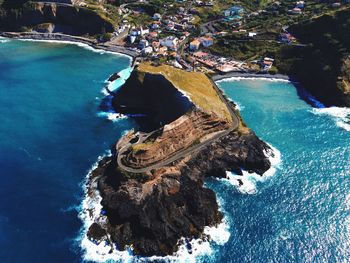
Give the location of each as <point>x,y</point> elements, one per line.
<point>189,129</point>
<point>153,210</point>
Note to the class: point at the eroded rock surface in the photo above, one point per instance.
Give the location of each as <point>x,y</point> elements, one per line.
<point>152,210</point>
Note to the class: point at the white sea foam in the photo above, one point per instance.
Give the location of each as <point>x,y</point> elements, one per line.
<point>229,79</point>
<point>80,44</point>
<point>90,212</point>
<point>339,114</point>
<point>112,116</point>
<point>247,183</point>
<point>4,40</point>
<point>239,106</point>
<point>104,91</point>
<point>189,250</point>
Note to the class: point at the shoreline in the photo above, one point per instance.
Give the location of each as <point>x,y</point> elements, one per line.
<point>90,211</point>
<point>69,39</point>
<point>63,38</point>
<point>237,75</point>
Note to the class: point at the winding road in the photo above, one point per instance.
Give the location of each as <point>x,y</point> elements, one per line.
<point>182,153</point>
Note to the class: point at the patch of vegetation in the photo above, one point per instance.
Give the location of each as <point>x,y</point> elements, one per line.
<point>137,176</point>
<point>106,37</point>
<point>196,142</point>
<point>196,85</point>
<point>319,65</point>
<point>244,50</point>
<point>140,147</point>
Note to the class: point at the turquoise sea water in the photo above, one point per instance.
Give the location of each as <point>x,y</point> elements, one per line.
<point>302,213</point>
<point>51,134</point>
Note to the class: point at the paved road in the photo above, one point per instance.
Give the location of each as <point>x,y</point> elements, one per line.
<point>182,153</point>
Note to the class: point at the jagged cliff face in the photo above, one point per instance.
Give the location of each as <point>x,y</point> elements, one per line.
<point>152,95</point>
<point>345,79</point>
<point>63,18</point>
<point>152,210</point>
<point>180,134</point>
<point>322,65</point>
<point>182,124</point>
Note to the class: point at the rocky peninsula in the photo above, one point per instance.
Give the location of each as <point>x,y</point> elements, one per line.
<point>151,187</point>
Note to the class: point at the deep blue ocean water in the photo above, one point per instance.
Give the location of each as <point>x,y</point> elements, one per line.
<point>51,134</point>
<point>302,213</point>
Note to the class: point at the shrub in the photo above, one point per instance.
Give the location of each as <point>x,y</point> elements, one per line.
<point>106,37</point>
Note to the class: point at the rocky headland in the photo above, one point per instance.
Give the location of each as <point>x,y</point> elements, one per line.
<point>151,187</point>
<point>322,65</point>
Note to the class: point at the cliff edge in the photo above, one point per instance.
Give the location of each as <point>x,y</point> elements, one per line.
<point>152,186</point>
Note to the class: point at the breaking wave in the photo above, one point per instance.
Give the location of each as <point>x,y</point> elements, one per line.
<point>80,44</point>
<point>112,116</point>
<point>190,250</point>
<point>230,79</point>
<point>247,183</point>
<point>4,40</point>
<point>339,114</point>
<point>239,106</point>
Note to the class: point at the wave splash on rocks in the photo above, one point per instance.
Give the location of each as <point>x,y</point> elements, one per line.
<point>4,40</point>
<point>247,182</point>
<point>91,211</point>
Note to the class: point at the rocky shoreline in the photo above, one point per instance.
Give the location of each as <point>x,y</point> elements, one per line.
<point>153,218</point>
<point>151,212</point>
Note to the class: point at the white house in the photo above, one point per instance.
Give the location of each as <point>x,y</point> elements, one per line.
<point>147,50</point>
<point>295,11</point>
<point>234,10</point>
<point>155,26</point>
<point>157,16</point>
<point>139,31</point>
<point>170,42</point>
<point>252,34</point>
<point>170,25</point>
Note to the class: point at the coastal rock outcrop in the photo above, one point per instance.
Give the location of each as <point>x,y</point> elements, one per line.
<point>321,64</point>
<point>151,210</point>
<point>54,17</point>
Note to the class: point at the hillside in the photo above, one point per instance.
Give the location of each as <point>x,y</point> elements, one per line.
<point>23,15</point>
<point>194,84</point>
<point>322,66</point>
<point>152,187</point>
